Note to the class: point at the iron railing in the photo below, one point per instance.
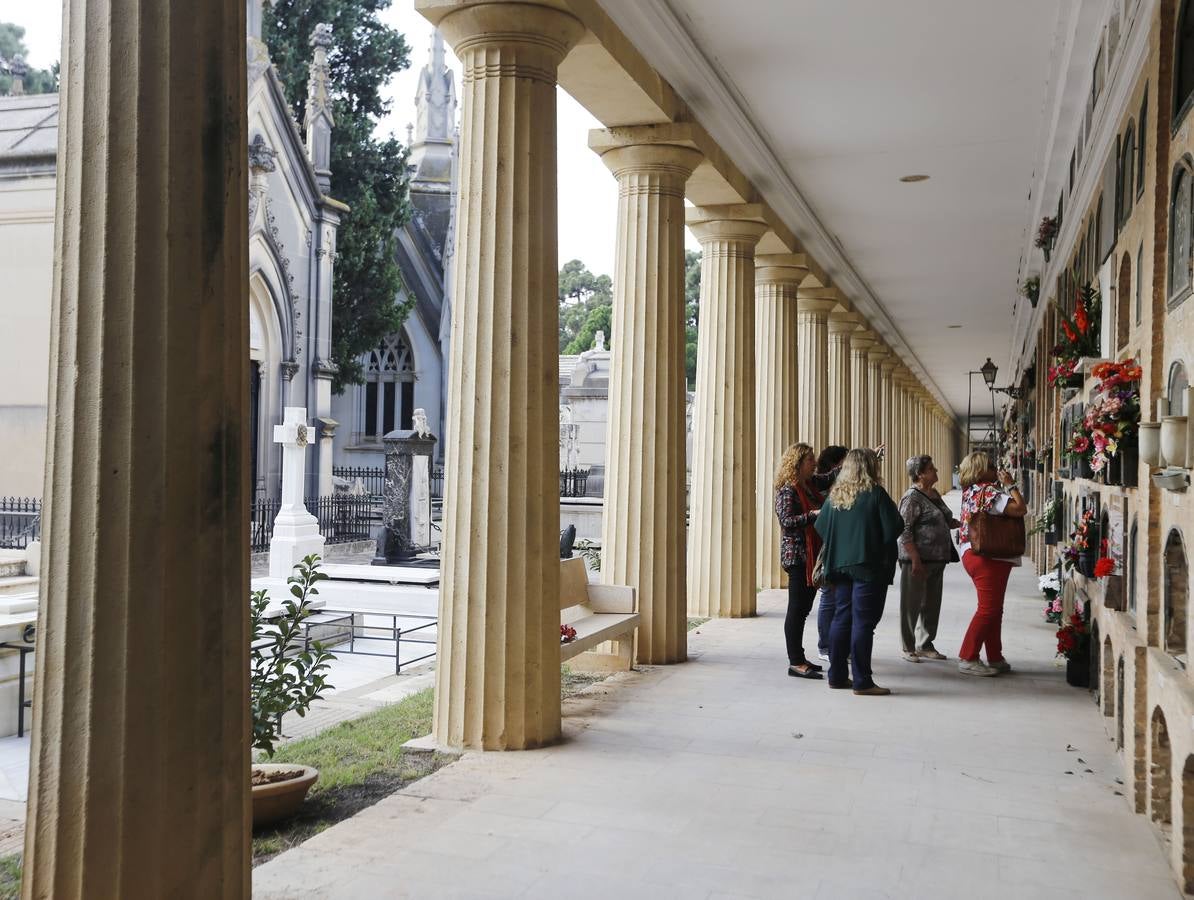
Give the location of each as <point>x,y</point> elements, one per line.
<point>261,523</point>
<point>20,522</point>
<point>574,482</point>
<point>437,482</point>
<point>372,477</point>
<point>344,518</point>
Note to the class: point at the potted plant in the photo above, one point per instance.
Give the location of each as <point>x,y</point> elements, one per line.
<point>1030,290</point>
<point>1073,642</point>
<point>285,676</point>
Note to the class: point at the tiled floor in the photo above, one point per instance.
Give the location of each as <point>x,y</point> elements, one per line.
<point>724,778</point>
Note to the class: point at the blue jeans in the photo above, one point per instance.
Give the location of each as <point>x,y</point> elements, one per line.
<point>825,607</point>
<point>857,608</point>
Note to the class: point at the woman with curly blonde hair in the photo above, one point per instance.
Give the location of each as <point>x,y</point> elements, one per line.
<point>859,524</point>
<point>798,497</point>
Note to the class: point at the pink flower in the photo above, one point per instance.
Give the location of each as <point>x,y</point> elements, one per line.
<point>1056,606</point>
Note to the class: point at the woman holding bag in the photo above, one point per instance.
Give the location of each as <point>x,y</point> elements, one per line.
<point>797,503</point>
<point>982,497</point>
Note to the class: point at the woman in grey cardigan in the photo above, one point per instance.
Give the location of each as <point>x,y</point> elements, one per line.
<point>925,548</point>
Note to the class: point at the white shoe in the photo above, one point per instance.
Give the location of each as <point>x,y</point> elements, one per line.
<point>822,655</point>
<point>1002,666</point>
<point>911,656</point>
<point>976,667</point>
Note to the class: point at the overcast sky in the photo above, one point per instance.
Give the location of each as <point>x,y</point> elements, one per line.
<point>588,196</point>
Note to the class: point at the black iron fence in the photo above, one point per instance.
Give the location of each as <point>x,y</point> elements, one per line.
<point>261,523</point>
<point>20,522</point>
<point>437,482</point>
<point>345,518</point>
<point>574,482</point>
<point>372,477</point>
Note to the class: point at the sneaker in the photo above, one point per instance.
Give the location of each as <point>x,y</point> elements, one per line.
<point>930,653</point>
<point>976,667</point>
<point>1001,666</point>
<point>873,691</point>
<point>911,656</point>
<point>823,654</point>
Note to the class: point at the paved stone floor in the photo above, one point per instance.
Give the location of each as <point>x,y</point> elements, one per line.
<point>722,778</point>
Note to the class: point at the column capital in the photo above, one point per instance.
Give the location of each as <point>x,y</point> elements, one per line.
<point>888,364</point>
<point>544,29</point>
<point>650,149</point>
<point>843,323</point>
<point>741,223</point>
<point>863,341</point>
<point>787,269</point>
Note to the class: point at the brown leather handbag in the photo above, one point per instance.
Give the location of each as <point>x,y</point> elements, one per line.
<point>999,537</point>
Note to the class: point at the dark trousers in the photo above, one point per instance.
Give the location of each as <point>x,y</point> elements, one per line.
<point>800,601</point>
<point>857,609</point>
<point>825,606</point>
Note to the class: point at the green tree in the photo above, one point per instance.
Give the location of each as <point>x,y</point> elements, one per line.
<point>586,306</point>
<point>12,49</point>
<point>692,310</point>
<point>368,174</point>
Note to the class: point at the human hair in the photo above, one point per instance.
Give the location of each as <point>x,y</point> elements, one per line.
<point>831,457</point>
<point>789,464</point>
<point>860,473</point>
<point>973,467</point>
<point>916,465</point>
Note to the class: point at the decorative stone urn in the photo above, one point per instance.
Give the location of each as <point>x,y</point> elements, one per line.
<point>275,800</point>
<point>1150,443</point>
<point>1173,440</point>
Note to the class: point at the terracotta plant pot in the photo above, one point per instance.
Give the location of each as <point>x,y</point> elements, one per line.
<point>281,799</point>
<point>1173,440</point>
<point>1150,443</point>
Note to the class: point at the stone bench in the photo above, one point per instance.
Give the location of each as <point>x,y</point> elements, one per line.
<point>599,613</point>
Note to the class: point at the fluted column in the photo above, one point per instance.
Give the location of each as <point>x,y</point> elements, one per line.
<point>777,277</point>
<point>721,551</point>
<point>861,343</point>
<point>889,436</point>
<point>876,427</point>
<point>139,778</point>
<point>643,536</point>
<point>841,324</point>
<point>498,671</point>
<point>813,360</point>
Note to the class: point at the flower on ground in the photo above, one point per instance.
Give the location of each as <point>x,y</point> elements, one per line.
<point>567,634</point>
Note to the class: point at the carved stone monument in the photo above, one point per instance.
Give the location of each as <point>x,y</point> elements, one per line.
<point>406,497</point>
<point>296,531</point>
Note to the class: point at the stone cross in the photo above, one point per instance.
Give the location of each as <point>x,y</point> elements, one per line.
<point>296,531</point>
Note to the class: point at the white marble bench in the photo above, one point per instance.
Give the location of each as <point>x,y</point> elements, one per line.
<point>599,613</point>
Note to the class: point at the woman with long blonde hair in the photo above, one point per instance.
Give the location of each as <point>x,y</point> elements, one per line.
<point>798,497</point>
<point>859,524</point>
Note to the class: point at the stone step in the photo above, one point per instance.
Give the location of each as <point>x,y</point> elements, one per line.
<point>18,584</point>
<point>12,604</point>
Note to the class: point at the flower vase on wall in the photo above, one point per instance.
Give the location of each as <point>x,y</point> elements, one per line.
<point>1077,667</point>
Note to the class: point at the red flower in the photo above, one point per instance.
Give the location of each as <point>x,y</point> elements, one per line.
<point>1080,317</point>
<point>567,634</point>
<point>1104,567</point>
<point>1069,332</point>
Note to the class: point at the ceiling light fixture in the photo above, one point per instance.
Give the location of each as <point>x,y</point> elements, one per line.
<point>912,179</point>
<point>953,326</point>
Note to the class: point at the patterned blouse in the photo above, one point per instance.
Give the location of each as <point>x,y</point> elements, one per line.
<point>794,518</point>
<point>975,499</point>
<point>927,522</point>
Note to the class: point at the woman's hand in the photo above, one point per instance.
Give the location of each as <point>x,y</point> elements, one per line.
<point>1006,479</point>
<point>918,566</point>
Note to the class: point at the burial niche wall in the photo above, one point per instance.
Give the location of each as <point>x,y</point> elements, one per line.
<point>1160,772</point>
<point>1175,595</point>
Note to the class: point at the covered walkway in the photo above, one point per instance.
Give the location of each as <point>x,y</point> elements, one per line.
<point>724,778</point>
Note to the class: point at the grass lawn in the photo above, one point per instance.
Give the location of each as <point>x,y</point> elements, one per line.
<point>359,763</point>
<point>10,876</point>
<point>696,623</point>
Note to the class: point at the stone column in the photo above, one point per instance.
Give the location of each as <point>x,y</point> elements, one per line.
<point>889,435</point>
<point>876,429</point>
<point>777,277</point>
<point>860,391</point>
<point>721,551</point>
<point>841,324</point>
<point>643,538</point>
<point>140,756</point>
<point>813,360</point>
<point>498,671</point>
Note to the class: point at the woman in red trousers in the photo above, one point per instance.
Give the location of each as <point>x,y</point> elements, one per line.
<point>980,493</point>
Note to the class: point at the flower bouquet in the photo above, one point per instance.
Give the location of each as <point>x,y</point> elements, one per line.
<point>1030,290</point>
<point>1076,553</point>
<point>1045,522</point>
<point>1072,637</point>
<point>1080,337</point>
<point>1046,234</point>
<point>1114,413</point>
<point>1050,584</point>
<point>567,634</point>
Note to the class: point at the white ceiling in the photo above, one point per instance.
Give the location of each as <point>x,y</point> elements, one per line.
<point>849,95</point>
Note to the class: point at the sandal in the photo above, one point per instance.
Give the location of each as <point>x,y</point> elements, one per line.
<point>809,672</point>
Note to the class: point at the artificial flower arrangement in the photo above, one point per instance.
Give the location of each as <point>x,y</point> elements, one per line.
<point>1045,522</point>
<point>1072,637</point>
<point>1079,541</point>
<point>1050,585</point>
<point>1113,413</point>
<point>1046,233</point>
<point>567,634</point>
<point>1030,289</point>
<point>1104,567</point>
<point>1080,335</point>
